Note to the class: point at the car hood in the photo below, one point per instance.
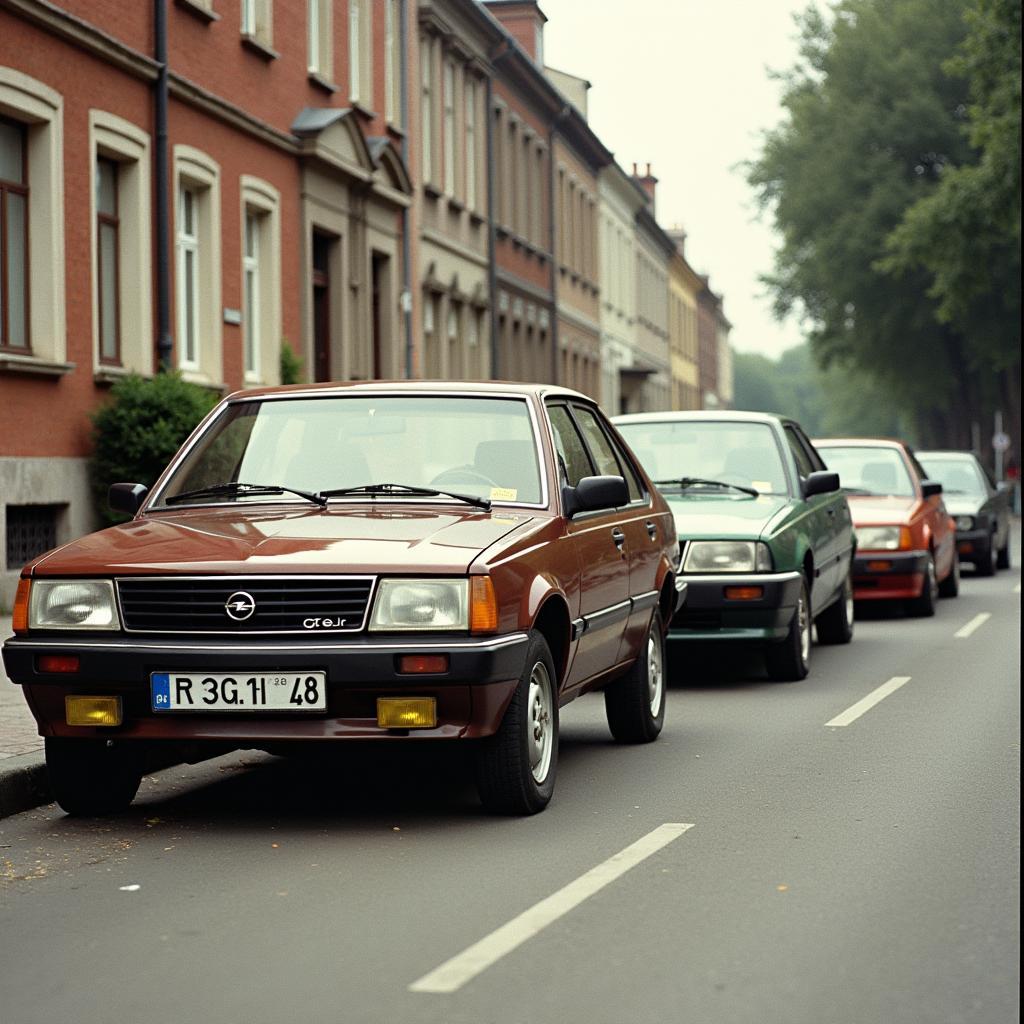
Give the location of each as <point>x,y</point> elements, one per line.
<point>236,539</point>
<point>881,509</point>
<point>963,504</point>
<point>724,516</point>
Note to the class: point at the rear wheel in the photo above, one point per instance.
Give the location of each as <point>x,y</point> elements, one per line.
<point>790,660</point>
<point>90,778</point>
<point>924,606</point>
<point>950,586</point>
<point>515,768</point>
<point>1003,559</point>
<point>635,703</point>
<point>835,623</point>
<point>987,558</point>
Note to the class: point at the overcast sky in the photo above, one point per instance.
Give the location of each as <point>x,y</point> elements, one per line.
<point>684,84</point>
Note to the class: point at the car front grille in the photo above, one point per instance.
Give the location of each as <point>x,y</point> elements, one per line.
<point>258,604</point>
<point>697,619</point>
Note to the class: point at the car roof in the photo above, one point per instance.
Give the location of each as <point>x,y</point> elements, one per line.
<point>948,453</point>
<point>860,442</point>
<point>698,415</point>
<point>412,387</point>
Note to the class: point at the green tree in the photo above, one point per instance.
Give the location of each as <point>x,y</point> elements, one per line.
<point>871,123</point>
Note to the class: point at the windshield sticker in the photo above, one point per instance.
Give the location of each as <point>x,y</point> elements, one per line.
<point>504,493</point>
<point>761,485</point>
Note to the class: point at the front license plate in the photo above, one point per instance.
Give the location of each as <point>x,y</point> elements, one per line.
<point>239,691</point>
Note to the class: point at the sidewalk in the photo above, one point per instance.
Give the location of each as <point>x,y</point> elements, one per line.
<point>23,782</point>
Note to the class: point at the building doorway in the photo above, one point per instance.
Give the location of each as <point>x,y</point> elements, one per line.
<point>322,248</point>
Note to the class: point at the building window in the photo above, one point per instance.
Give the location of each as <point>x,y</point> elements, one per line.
<point>108,229</point>
<point>392,62</point>
<point>427,107</point>
<point>188,278</point>
<point>251,294</point>
<point>318,24</point>
<point>31,530</point>
<point>261,281</point>
<point>355,48</point>
<point>13,235</point>
<point>258,21</point>
<point>449,128</point>
<point>471,144</point>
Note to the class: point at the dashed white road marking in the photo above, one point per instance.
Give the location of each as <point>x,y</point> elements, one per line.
<point>851,714</point>
<point>979,620</point>
<point>464,966</point>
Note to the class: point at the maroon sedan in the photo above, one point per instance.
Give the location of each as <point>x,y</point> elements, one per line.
<point>906,541</point>
<point>392,562</point>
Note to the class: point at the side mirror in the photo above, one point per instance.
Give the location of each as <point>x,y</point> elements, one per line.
<point>930,488</point>
<point>127,498</point>
<point>595,492</point>
<point>823,481</point>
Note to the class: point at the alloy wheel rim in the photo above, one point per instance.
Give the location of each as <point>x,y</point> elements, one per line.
<point>541,736</point>
<point>655,675</point>
<point>804,625</point>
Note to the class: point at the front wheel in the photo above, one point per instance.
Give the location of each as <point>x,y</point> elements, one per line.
<point>1003,558</point>
<point>635,703</point>
<point>835,623</point>
<point>91,778</point>
<point>515,768</point>
<point>950,586</point>
<point>924,606</point>
<point>790,660</point>
<point>987,559</point>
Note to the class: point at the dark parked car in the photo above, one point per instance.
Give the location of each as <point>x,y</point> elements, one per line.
<point>980,508</point>
<point>766,534</point>
<point>906,546</point>
<point>398,562</point>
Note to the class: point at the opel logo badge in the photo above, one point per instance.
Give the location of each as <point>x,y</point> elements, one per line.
<point>240,606</point>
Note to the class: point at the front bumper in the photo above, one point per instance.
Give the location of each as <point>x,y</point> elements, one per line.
<point>973,544</point>
<point>889,575</point>
<point>471,696</point>
<point>708,614</point>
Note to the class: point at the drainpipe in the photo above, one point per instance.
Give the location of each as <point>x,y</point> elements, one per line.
<point>403,34</point>
<point>164,344</point>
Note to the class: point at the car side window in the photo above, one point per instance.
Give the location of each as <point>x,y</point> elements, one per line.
<point>803,461</point>
<point>817,462</point>
<point>573,461</point>
<point>921,472</point>
<point>609,462</point>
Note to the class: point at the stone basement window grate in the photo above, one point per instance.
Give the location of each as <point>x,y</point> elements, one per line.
<point>31,530</point>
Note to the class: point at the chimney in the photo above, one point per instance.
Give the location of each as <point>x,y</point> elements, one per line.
<point>524,21</point>
<point>678,235</point>
<point>647,182</point>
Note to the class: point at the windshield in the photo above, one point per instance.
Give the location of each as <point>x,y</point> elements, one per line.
<point>869,470</point>
<point>483,447</point>
<point>957,476</point>
<point>732,453</point>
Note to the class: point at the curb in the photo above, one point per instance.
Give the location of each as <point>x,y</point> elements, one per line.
<point>23,783</point>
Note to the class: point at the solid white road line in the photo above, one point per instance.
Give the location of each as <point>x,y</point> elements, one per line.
<point>979,620</point>
<point>465,966</point>
<point>851,714</point>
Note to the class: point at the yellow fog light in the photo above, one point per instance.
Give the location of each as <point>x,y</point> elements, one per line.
<point>93,710</point>
<point>406,712</point>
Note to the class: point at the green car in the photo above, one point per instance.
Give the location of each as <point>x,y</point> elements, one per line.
<point>765,533</point>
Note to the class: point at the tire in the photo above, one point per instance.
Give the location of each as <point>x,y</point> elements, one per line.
<point>924,606</point>
<point>515,768</point>
<point>835,623</point>
<point>1003,558</point>
<point>988,558</point>
<point>635,703</point>
<point>789,660</point>
<point>90,778</point>
<point>950,586</point>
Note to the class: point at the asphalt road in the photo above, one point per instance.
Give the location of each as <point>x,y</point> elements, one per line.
<point>756,864</point>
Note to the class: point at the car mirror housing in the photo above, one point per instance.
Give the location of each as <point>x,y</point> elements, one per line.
<point>595,492</point>
<point>127,498</point>
<point>821,482</point>
<point>930,488</point>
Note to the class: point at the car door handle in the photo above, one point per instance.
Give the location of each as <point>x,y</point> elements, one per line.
<point>831,511</point>
<point>652,531</point>
<point>619,537</point>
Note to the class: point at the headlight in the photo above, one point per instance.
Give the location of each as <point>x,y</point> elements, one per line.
<point>882,538</point>
<point>727,556</point>
<point>73,604</point>
<point>421,604</point>
<point>965,522</point>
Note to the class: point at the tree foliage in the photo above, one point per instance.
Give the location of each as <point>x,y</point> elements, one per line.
<point>876,112</point>
<point>137,432</point>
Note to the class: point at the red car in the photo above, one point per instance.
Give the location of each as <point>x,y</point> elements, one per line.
<point>906,540</point>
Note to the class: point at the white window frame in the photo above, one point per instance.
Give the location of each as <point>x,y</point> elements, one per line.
<point>257,21</point>
<point>319,51</point>
<point>260,199</point>
<point>188,284</point>
<point>392,61</point>
<point>355,43</point>
<point>200,174</point>
<point>115,138</point>
<point>448,89</point>
<point>41,109</point>
<point>427,107</point>
<point>472,143</point>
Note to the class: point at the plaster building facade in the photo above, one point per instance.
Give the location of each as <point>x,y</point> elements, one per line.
<point>707,345</point>
<point>684,286</point>
<point>726,394</point>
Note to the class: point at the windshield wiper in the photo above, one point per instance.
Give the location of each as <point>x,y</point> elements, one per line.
<point>686,482</point>
<point>392,490</point>
<point>237,489</point>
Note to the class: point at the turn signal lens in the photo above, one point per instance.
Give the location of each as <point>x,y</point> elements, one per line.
<point>414,663</point>
<point>19,619</point>
<point>744,593</point>
<point>406,712</point>
<point>57,663</point>
<point>483,606</point>
<point>906,541</point>
<point>93,710</point>
<point>879,566</point>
